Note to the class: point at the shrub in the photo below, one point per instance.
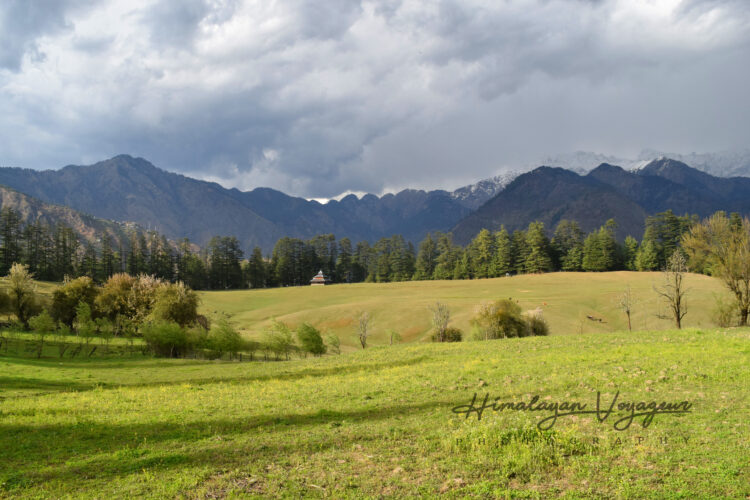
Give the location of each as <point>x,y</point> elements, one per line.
<point>453,334</point>
<point>450,334</point>
<point>279,340</point>
<point>66,298</point>
<point>222,338</point>
<point>725,313</point>
<point>23,300</point>
<point>537,325</point>
<point>499,319</point>
<point>113,299</point>
<point>250,347</point>
<point>166,339</point>
<point>334,343</point>
<point>310,339</point>
<point>134,298</point>
<point>43,325</point>
<point>394,336</point>
<point>175,302</point>
<point>85,326</point>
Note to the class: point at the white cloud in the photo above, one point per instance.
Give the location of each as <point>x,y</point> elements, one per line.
<point>321,98</point>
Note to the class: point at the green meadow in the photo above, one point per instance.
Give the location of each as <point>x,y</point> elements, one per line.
<point>379,422</point>
<point>565,299</point>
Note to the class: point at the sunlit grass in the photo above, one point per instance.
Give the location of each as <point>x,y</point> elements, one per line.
<point>379,422</point>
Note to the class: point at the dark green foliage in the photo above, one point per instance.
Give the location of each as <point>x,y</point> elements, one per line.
<point>629,253</point>
<point>647,258</point>
<point>225,255</point>
<point>310,340</point>
<point>567,245</point>
<point>538,259</point>
<point>664,231</point>
<point>503,261</point>
<point>600,249</point>
<point>482,252</point>
<point>426,259</point>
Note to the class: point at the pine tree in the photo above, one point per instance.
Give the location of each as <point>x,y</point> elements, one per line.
<point>630,250</point>
<point>426,259</point>
<point>256,269</point>
<point>538,259</point>
<point>344,272</point>
<point>593,257</point>
<point>503,262</point>
<point>482,255</point>
<point>647,258</point>
<point>520,251</point>
<point>448,256</point>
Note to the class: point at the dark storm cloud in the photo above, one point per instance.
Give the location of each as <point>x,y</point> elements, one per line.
<point>317,98</point>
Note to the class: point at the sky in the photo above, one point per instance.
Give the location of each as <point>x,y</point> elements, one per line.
<point>316,98</point>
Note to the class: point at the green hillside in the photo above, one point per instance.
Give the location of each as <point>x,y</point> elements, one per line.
<point>566,300</point>
<point>379,422</point>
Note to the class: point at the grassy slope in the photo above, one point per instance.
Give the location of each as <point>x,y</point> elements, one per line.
<point>565,298</point>
<point>378,422</point>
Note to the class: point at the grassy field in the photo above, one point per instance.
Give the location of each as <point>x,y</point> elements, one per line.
<point>566,300</point>
<point>379,422</point>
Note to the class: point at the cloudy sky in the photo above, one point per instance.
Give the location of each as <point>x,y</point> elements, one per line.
<point>319,97</point>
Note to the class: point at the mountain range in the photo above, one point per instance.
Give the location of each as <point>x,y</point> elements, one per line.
<point>133,190</point>
<point>551,194</point>
<point>89,229</point>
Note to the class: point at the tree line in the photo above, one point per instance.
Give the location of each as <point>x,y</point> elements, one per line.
<point>294,261</point>
<point>52,253</point>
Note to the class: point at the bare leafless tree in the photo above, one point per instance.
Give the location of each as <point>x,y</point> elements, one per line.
<point>363,328</point>
<point>440,317</point>
<point>673,287</point>
<point>626,304</point>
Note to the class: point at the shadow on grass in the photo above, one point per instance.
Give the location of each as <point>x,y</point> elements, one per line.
<point>38,384</point>
<point>281,373</point>
<point>37,453</point>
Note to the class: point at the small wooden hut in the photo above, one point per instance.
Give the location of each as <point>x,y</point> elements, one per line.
<point>320,279</point>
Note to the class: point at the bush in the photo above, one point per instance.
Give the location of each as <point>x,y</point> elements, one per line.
<point>222,338</point>
<point>167,339</point>
<point>114,297</point>
<point>502,319</point>
<point>42,323</point>
<point>537,325</point>
<point>66,298</point>
<point>22,293</point>
<point>85,326</point>
<point>725,313</point>
<point>250,347</point>
<point>279,340</point>
<point>177,303</point>
<point>310,339</point>
<point>334,343</point>
<point>499,319</point>
<point>451,334</point>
